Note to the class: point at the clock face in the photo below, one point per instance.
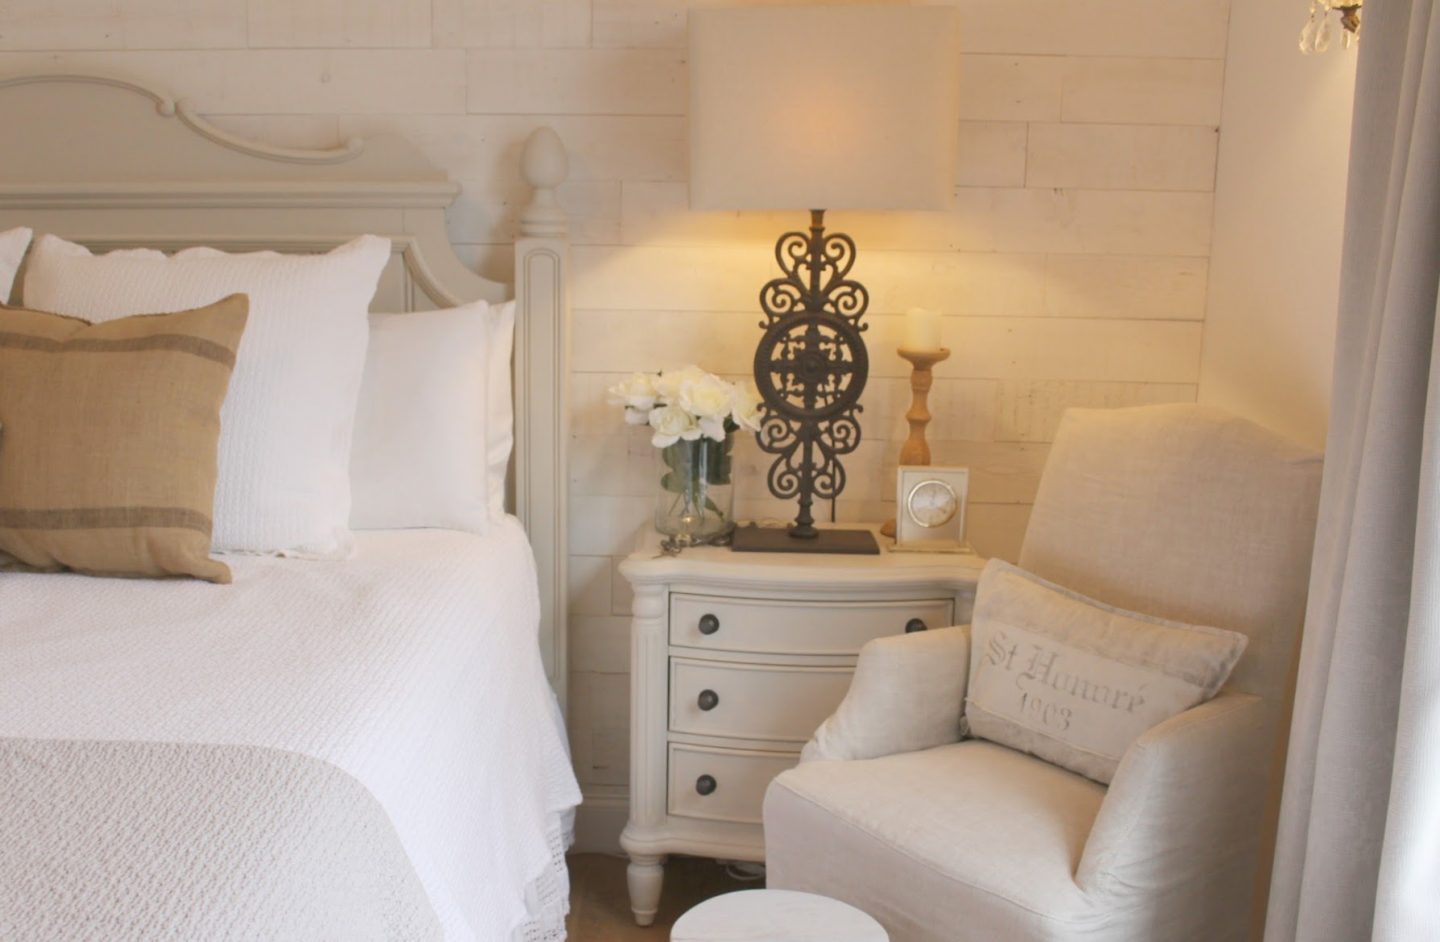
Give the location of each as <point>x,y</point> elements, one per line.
<point>932,503</point>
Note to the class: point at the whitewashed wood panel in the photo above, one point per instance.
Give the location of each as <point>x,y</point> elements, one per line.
<point>283,81</point>
<point>1000,472</point>
<point>668,278</point>
<point>1195,29</point>
<point>512,23</point>
<point>599,643</point>
<point>338,23</point>
<point>992,153</point>
<point>133,24</point>
<point>728,274</point>
<point>310,131</point>
<point>590,414</point>
<point>1143,90</point>
<point>1072,348</point>
<point>983,347</point>
<point>1123,222</point>
<point>589,587</point>
<point>1125,286</point>
<point>630,23</point>
<point>961,408</point>
<point>638,23</point>
<point>1030,410</point>
<point>577,81</point>
<point>984,220</point>
<point>1121,157</point>
<point>483,147</point>
<point>996,530</point>
<point>1011,88</point>
<point>608,526</point>
<point>608,464</point>
<point>599,717</point>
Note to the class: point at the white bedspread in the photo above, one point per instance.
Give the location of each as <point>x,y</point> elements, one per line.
<point>414,667</point>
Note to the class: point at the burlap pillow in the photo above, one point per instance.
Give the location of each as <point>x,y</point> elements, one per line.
<point>108,437</point>
<point>1075,681</point>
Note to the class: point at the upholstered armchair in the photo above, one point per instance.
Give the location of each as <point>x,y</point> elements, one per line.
<point>1176,511</point>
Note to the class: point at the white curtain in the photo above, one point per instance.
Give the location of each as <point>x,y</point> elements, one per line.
<point>1358,852</point>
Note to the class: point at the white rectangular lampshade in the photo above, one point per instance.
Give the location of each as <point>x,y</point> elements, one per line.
<point>823,107</point>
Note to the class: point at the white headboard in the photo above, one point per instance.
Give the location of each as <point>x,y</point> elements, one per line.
<point>114,163</point>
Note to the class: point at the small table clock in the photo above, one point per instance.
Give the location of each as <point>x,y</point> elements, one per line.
<point>930,508</point>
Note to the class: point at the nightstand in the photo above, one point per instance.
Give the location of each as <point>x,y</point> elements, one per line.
<point>735,660</point>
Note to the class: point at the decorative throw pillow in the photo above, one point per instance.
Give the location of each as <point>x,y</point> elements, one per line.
<point>1075,681</point>
<point>108,439</point>
<point>285,443</point>
<point>420,452</point>
<point>13,244</point>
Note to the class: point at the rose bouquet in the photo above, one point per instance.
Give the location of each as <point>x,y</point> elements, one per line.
<point>693,416</point>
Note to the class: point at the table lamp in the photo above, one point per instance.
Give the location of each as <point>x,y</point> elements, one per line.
<point>819,108</point>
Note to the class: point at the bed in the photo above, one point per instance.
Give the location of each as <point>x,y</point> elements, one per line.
<point>370,747</point>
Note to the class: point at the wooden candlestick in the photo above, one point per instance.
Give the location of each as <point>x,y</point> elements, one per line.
<point>916,451</point>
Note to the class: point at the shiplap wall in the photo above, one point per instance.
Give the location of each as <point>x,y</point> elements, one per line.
<point>1072,269</point>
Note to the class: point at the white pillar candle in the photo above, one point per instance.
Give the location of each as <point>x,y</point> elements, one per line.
<point>922,330</point>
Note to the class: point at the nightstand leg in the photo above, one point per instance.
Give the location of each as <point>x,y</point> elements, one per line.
<point>646,874</point>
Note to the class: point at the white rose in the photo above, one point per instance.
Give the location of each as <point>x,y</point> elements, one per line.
<point>713,428</point>
<point>746,407</point>
<point>709,397</point>
<point>636,392</point>
<point>671,424</point>
<point>670,384</point>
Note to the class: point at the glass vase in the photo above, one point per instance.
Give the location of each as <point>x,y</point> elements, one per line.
<point>696,503</point>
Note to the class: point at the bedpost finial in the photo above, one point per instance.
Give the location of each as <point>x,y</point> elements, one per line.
<point>545,166</point>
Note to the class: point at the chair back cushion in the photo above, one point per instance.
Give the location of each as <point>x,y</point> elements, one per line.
<point>1186,513</point>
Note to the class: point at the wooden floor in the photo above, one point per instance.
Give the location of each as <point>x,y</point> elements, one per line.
<point>600,903</point>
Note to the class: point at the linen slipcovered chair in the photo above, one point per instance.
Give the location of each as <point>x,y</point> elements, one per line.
<point>1182,512</point>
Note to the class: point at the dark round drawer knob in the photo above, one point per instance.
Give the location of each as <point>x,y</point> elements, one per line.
<point>914,625</point>
<point>705,784</point>
<point>709,624</point>
<point>708,700</point>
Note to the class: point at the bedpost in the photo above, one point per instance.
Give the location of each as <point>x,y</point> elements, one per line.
<point>542,375</point>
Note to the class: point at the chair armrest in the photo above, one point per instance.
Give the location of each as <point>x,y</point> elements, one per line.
<point>1186,804</point>
<point>908,693</point>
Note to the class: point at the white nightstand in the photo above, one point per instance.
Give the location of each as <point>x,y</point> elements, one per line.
<point>735,659</point>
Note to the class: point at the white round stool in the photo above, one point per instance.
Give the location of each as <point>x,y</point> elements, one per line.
<point>775,916</point>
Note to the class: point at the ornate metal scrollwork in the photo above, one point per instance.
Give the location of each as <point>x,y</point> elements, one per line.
<point>811,366</point>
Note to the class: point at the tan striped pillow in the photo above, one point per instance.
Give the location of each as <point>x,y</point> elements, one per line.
<point>108,437</point>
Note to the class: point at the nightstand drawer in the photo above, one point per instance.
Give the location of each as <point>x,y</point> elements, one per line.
<point>722,784</point>
<point>786,627</point>
<point>753,701</point>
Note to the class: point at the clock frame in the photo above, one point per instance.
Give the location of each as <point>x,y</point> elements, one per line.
<point>910,532</point>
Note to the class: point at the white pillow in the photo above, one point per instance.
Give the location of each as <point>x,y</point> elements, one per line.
<point>500,418</point>
<point>284,482</point>
<point>13,243</point>
<point>1075,681</point>
<point>420,452</point>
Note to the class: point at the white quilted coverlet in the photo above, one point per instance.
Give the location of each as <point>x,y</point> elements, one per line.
<point>413,666</point>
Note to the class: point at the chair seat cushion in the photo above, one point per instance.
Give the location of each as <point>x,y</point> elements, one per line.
<point>964,841</point>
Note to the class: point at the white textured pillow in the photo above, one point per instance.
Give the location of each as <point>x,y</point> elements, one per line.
<point>1075,681</point>
<point>420,452</point>
<point>284,483</point>
<point>13,243</point>
<point>500,418</point>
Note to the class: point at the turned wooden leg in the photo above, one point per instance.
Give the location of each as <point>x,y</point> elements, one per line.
<point>646,874</point>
